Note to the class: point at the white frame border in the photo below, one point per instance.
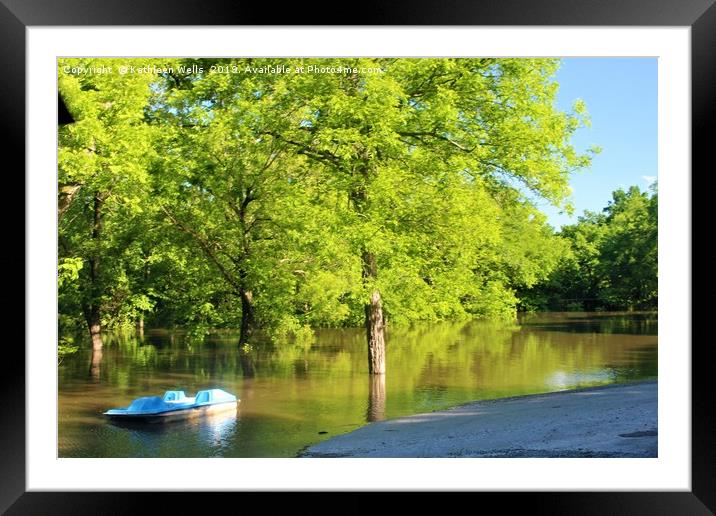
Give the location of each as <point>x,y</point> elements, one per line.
<point>670,471</point>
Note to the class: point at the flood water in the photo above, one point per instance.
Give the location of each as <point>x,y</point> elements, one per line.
<point>294,395</point>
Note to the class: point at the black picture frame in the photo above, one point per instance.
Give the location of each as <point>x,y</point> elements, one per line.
<point>16,15</point>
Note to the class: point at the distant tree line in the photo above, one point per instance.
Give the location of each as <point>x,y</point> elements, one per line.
<point>612,262</point>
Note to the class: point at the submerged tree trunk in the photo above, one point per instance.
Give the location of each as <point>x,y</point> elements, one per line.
<point>240,283</point>
<point>247,316</point>
<point>248,367</point>
<point>92,316</point>
<point>374,322</point>
<point>376,335</point>
<point>95,364</point>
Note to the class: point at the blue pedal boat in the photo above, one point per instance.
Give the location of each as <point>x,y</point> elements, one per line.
<point>175,405</point>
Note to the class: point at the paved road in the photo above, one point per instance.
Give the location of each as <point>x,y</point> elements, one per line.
<point>610,421</point>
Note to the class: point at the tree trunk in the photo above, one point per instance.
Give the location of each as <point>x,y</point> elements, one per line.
<point>248,367</point>
<point>95,328</point>
<point>376,335</point>
<point>91,308</point>
<point>247,296</point>
<point>247,316</point>
<point>374,322</point>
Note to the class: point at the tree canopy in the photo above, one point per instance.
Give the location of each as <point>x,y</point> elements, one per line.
<point>613,259</point>
<point>284,194</point>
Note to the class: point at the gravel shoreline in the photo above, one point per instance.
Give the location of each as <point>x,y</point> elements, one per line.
<point>617,420</point>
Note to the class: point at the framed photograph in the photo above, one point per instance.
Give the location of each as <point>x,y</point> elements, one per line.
<point>268,193</point>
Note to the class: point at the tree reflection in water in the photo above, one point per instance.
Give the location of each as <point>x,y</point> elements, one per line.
<point>376,398</point>
<point>95,365</point>
<point>291,392</point>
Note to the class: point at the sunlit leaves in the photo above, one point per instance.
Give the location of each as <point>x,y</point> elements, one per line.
<point>613,259</point>
<point>216,184</point>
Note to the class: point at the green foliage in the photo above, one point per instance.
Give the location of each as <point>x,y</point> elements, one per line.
<point>231,198</point>
<point>613,260</point>
<point>103,177</point>
<point>68,272</point>
<point>629,254</point>
<point>66,346</point>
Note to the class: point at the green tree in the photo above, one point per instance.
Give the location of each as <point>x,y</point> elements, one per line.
<point>239,195</point>
<point>341,192</point>
<point>613,259</point>
<point>102,169</point>
<point>629,254</point>
<point>445,125</point>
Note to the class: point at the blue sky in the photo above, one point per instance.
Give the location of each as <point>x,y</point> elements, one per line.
<point>621,98</point>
